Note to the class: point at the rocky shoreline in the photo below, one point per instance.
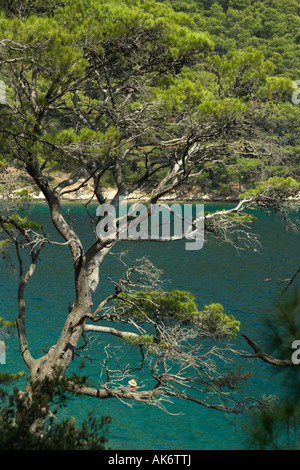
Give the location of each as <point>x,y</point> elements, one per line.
<point>85,195</point>
<point>83,192</point>
<point>85,198</point>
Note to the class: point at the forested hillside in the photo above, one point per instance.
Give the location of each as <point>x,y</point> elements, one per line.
<point>243,77</point>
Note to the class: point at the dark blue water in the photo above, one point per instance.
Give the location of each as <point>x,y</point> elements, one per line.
<point>216,273</point>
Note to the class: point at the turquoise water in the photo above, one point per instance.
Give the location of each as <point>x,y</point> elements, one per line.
<point>216,273</point>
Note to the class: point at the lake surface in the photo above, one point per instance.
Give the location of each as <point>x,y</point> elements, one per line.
<point>216,273</point>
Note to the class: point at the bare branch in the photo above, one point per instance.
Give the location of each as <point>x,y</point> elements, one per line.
<point>259,353</point>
